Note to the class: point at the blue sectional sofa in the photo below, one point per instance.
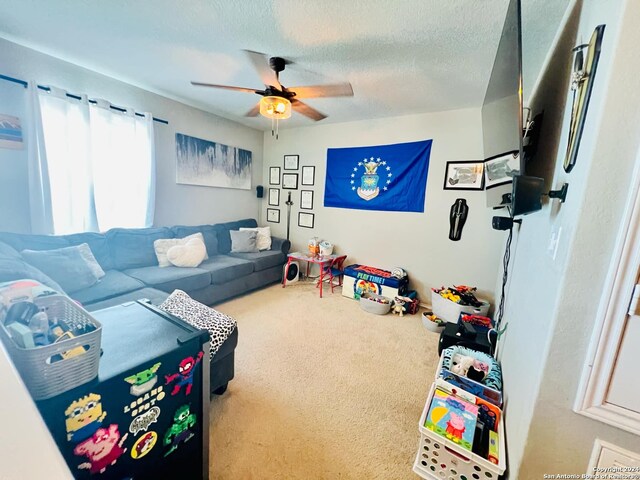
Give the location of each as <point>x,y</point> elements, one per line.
<point>132,273</point>
<point>128,258</point>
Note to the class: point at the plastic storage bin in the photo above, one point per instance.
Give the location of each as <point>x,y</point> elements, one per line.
<point>369,303</point>
<point>440,458</point>
<point>45,377</point>
<point>450,311</point>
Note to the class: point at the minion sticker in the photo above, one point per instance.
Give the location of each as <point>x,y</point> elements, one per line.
<point>84,417</point>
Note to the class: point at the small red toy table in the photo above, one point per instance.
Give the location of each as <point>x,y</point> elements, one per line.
<point>321,260</point>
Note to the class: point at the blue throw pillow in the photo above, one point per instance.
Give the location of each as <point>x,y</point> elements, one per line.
<point>68,266</point>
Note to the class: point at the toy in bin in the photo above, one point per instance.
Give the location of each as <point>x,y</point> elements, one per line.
<point>448,303</point>
<point>53,342</point>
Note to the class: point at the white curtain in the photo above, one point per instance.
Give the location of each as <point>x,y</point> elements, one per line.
<point>123,162</point>
<point>91,168</point>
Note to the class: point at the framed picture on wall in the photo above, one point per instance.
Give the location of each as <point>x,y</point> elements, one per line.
<point>290,181</point>
<point>308,175</point>
<point>291,162</point>
<point>274,196</point>
<point>499,170</point>
<point>305,219</point>
<point>274,175</point>
<point>464,176</point>
<point>306,199</point>
<point>273,215</point>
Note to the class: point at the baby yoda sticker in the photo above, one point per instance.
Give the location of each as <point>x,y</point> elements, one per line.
<point>102,449</point>
<point>144,381</point>
<point>84,417</point>
<point>144,445</point>
<point>180,431</point>
<point>144,403</point>
<point>184,376</point>
<point>142,422</point>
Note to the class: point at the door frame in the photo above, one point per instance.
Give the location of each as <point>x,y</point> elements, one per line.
<point>613,314</point>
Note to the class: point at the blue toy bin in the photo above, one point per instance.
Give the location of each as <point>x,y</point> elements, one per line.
<point>489,389</point>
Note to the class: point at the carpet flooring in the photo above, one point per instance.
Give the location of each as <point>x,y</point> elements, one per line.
<point>322,390</point>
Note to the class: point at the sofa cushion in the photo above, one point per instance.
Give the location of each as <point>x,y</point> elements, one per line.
<point>163,245</point>
<point>224,268</point>
<point>209,232</point>
<point>155,296</point>
<point>21,241</point>
<point>243,241</point>
<point>114,283</point>
<point>191,254</point>
<point>133,247</point>
<point>67,266</point>
<point>97,243</point>
<point>7,250</point>
<point>224,239</point>
<point>12,268</point>
<point>170,278</point>
<point>262,260</point>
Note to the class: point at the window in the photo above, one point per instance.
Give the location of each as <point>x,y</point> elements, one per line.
<point>97,165</point>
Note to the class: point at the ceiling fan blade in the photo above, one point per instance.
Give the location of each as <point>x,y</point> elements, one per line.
<point>261,63</point>
<point>307,111</point>
<point>254,112</point>
<point>318,91</point>
<point>228,87</point>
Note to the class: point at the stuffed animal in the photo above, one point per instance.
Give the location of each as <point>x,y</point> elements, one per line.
<point>469,367</point>
<point>398,306</point>
<point>460,364</point>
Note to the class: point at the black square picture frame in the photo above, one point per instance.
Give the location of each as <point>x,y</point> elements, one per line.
<point>291,162</point>
<point>306,220</point>
<point>273,215</point>
<point>290,181</point>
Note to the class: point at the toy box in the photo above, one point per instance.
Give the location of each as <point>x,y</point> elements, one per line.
<point>450,311</point>
<point>489,388</point>
<point>361,279</point>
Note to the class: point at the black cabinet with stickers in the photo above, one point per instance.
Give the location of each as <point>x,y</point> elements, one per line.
<point>146,414</point>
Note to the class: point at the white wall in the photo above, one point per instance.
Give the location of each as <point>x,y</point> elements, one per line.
<point>417,242</point>
<point>175,204</point>
<point>552,304</point>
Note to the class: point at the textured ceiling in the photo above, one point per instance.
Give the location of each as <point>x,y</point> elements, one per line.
<point>401,56</point>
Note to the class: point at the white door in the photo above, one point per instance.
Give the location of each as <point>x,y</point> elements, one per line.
<point>624,390</point>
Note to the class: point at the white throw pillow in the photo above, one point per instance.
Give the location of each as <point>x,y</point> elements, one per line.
<point>162,245</point>
<point>191,254</point>
<point>263,240</point>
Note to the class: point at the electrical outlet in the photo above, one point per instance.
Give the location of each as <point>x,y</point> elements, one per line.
<point>554,241</point>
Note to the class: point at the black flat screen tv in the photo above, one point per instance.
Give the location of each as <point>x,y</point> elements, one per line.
<point>502,111</point>
<point>526,195</point>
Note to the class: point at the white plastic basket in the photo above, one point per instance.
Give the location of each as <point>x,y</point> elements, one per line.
<point>439,458</point>
<point>45,377</point>
<point>450,311</point>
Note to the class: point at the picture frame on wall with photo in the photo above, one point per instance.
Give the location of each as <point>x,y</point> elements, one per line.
<point>274,197</point>
<point>500,169</point>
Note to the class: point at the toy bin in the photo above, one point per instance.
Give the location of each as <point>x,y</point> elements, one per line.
<point>45,370</point>
<point>377,304</point>
<point>450,311</point>
<point>440,458</point>
<point>489,389</point>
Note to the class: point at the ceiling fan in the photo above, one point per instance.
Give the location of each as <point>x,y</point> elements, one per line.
<point>278,100</point>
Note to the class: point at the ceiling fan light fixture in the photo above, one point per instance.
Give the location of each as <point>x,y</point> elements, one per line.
<point>275,107</point>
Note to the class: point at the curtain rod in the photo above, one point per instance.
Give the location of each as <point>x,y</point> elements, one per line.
<point>76,97</point>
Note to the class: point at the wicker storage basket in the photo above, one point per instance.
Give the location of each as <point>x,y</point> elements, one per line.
<point>42,374</point>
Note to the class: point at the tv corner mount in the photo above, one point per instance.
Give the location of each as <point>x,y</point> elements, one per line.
<point>560,194</point>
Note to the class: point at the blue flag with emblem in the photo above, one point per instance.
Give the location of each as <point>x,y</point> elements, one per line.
<point>384,177</point>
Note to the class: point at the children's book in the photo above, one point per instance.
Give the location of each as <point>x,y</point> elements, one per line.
<point>488,413</point>
<point>452,418</point>
<point>471,386</point>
